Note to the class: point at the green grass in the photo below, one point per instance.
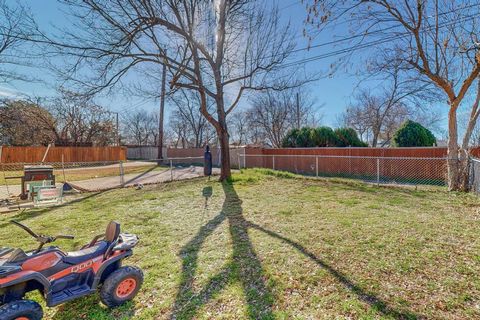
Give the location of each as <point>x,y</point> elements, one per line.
<point>272,245</point>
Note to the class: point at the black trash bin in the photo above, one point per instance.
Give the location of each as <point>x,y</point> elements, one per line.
<point>207,166</point>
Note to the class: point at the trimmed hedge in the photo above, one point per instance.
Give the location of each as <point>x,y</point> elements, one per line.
<point>307,137</point>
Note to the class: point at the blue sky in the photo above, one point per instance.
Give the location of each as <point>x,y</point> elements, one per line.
<point>333,93</point>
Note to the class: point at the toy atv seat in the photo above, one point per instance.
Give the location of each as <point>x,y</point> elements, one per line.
<point>96,247</point>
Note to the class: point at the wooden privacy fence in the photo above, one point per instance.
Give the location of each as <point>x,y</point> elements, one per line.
<point>199,153</point>
<point>182,155</point>
<point>144,152</point>
<point>413,165</point>
<point>70,154</point>
<point>378,169</point>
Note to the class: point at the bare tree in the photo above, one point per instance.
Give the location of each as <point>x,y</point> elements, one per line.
<point>397,97</point>
<point>353,117</point>
<point>437,40</point>
<point>79,121</point>
<point>195,127</point>
<point>377,116</point>
<point>16,26</point>
<point>220,49</point>
<point>239,127</point>
<point>274,113</point>
<point>140,127</point>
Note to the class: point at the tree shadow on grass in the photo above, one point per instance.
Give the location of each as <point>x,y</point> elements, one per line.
<point>369,298</point>
<point>140,175</point>
<point>244,266</point>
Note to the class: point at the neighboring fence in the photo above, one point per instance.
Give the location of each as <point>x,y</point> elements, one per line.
<point>426,152</point>
<point>379,165</point>
<point>59,154</point>
<point>475,174</point>
<point>396,170</point>
<point>199,152</point>
<point>144,152</point>
<point>196,154</point>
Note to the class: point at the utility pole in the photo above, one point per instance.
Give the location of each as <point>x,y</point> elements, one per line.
<point>298,111</point>
<point>118,130</point>
<point>162,108</point>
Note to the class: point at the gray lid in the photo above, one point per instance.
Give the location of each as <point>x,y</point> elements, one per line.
<point>37,167</point>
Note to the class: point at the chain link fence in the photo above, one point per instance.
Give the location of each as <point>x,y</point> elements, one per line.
<point>103,175</point>
<point>474,175</point>
<point>379,170</point>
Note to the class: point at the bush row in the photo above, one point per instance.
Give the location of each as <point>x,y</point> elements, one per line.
<point>307,137</point>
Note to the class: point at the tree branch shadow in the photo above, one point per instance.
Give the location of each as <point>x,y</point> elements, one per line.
<point>372,300</point>
<point>244,266</point>
<point>140,175</point>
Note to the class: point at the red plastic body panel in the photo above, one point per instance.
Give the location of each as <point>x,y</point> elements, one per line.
<point>42,262</point>
<point>93,264</point>
<point>15,276</point>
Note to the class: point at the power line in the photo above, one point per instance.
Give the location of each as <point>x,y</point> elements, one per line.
<point>366,34</point>
<point>369,44</point>
<point>289,6</point>
<point>361,46</point>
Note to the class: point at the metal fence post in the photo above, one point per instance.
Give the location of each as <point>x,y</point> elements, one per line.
<point>378,171</point>
<point>273,162</point>
<point>63,169</point>
<point>122,174</point>
<point>239,163</point>
<point>316,166</point>
<point>171,170</point>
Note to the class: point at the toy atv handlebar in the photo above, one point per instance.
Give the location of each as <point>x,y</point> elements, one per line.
<point>43,239</point>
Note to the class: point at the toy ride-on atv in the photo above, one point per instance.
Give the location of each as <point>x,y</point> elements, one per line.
<point>64,276</point>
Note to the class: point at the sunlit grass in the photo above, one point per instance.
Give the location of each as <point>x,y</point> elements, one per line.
<point>274,245</point>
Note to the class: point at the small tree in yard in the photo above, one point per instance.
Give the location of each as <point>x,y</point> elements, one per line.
<point>438,44</point>
<point>413,134</point>
<point>218,49</point>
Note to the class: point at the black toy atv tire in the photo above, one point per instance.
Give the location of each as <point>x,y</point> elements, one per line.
<point>121,286</point>
<point>21,309</point>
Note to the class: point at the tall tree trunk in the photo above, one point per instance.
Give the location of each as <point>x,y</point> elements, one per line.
<point>224,140</point>
<point>457,163</point>
<point>375,138</point>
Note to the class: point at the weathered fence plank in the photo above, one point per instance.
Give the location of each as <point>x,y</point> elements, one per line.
<point>70,154</point>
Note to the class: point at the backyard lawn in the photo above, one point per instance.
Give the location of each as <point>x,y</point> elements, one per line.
<point>276,246</point>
